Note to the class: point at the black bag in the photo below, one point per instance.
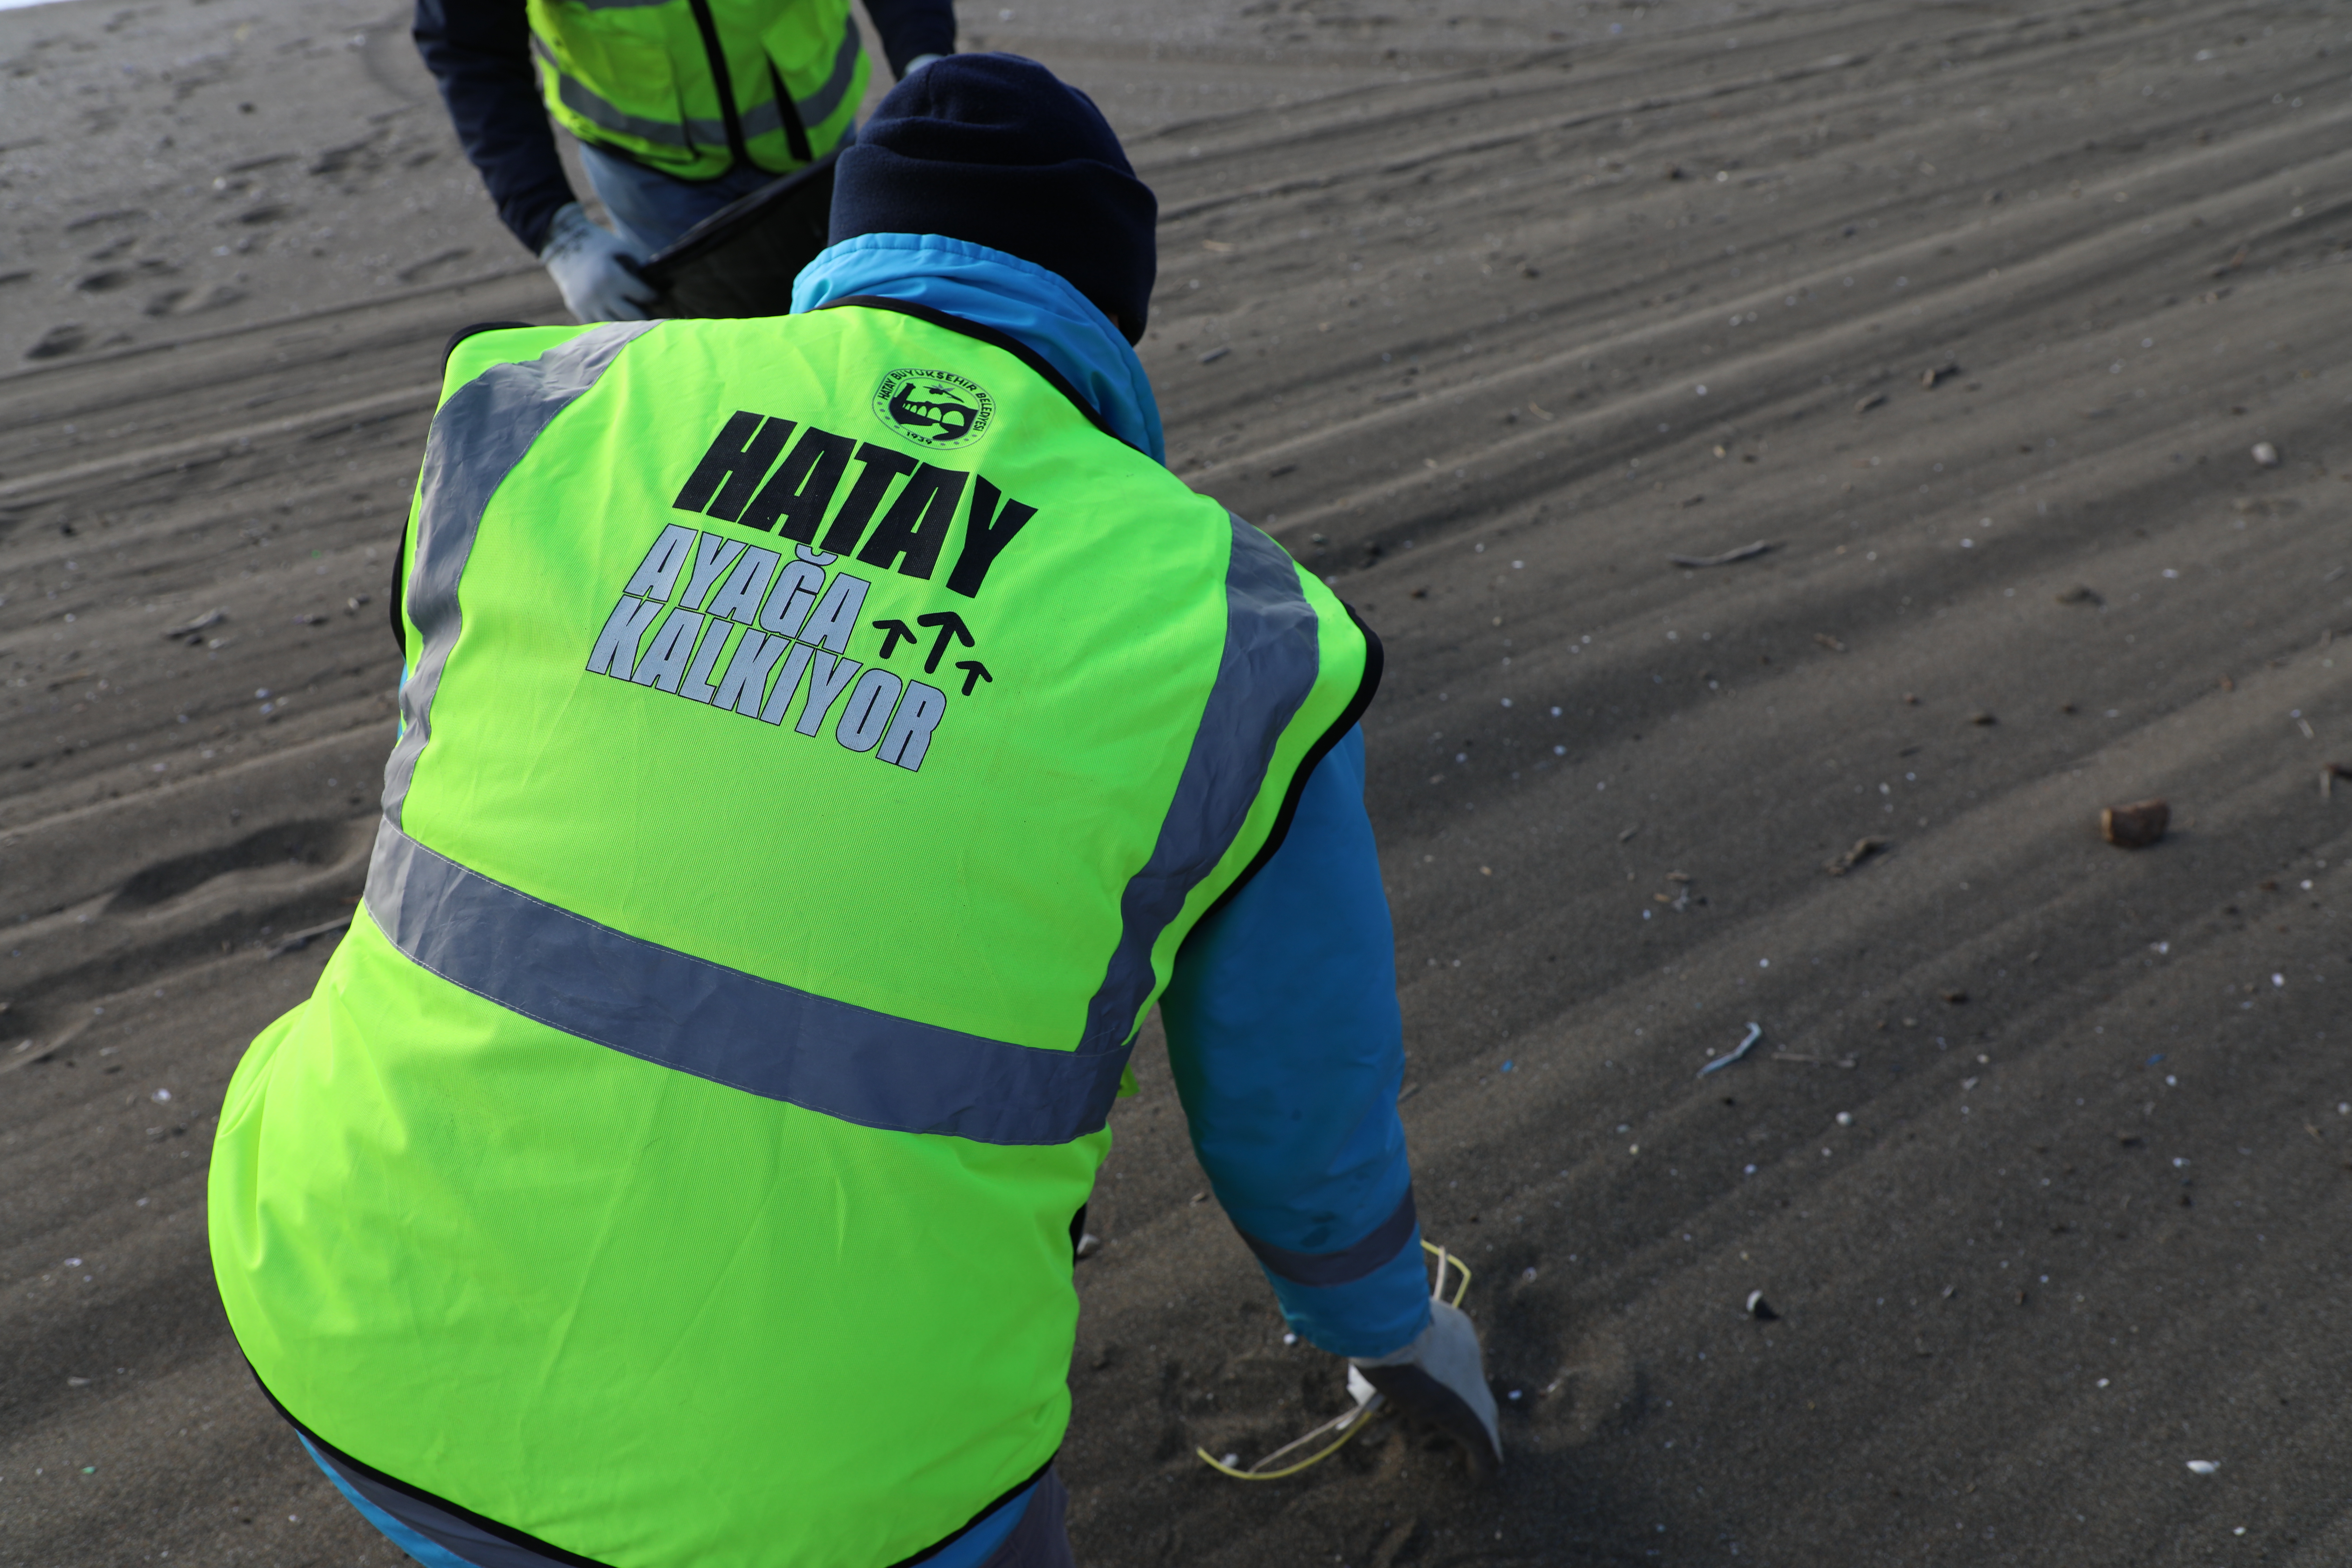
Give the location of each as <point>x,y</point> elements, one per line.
<point>741,260</point>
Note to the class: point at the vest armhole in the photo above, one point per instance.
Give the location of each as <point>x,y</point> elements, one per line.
<point>400,591</point>
<point>1374,660</point>
<point>462,333</point>
<point>995,339</point>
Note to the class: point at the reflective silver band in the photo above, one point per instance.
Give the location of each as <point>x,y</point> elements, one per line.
<point>678,1011</point>
<point>479,433</point>
<point>818,107</point>
<point>1271,657</point>
<point>1349,1264</point>
<point>764,119</point>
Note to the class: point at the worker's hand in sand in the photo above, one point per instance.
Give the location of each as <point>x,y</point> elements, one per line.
<point>597,272</point>
<point>1440,1380</point>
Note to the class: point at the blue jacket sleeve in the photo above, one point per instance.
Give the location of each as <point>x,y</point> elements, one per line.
<point>479,53</point>
<point>1289,1050</point>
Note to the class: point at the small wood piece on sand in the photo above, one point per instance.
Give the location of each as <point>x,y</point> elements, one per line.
<point>27,1052</point>
<point>2134,827</point>
<point>1941,372</point>
<point>1863,848</point>
<point>299,940</point>
<point>1745,552</point>
<point>1846,1062</point>
<point>1829,642</point>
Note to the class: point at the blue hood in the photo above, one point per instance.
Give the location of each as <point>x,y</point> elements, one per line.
<point>1038,307</point>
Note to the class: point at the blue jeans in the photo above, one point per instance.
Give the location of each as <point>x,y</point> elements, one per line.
<point>650,210</point>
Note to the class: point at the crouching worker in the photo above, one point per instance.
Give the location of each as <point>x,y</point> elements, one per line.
<point>823,740</point>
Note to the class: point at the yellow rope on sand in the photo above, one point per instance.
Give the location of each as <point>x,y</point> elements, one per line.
<point>1352,1421</point>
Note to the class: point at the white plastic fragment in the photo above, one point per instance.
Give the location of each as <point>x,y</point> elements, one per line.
<point>1755,1032</point>
<point>2204,1466</point>
<point>2266,455</point>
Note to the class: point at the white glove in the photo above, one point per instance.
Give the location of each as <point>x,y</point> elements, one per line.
<point>1439,1379</point>
<point>597,272</point>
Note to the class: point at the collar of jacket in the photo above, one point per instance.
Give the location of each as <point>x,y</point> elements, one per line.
<point>1037,306</point>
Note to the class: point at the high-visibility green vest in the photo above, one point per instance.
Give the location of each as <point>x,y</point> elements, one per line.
<point>820,736</point>
<point>693,88</point>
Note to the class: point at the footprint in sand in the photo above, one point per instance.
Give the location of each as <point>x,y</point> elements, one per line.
<point>66,338</point>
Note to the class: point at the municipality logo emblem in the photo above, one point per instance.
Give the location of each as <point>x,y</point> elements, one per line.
<point>933,407</point>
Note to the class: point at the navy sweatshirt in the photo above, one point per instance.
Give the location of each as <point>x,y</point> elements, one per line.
<point>479,52</point>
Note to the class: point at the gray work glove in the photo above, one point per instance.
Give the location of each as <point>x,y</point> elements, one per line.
<point>595,269</point>
<point>1440,1380</point>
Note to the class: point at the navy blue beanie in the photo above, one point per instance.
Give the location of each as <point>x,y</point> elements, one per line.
<point>996,150</point>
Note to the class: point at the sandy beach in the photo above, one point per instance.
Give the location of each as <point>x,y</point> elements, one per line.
<point>1521,327</point>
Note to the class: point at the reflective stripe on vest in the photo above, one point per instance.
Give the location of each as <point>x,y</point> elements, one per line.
<point>643,119</point>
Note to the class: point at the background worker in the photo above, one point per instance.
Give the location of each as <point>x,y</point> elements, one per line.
<point>682,1158</point>
<point>680,108</point>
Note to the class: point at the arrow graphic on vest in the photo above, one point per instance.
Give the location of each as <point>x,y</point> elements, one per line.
<point>951,625</point>
<point>974,672</point>
<point>894,632</point>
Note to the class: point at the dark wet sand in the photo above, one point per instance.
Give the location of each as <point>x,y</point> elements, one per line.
<point>2043,1159</point>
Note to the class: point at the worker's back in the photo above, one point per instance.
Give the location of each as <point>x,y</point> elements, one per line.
<point>819,737</point>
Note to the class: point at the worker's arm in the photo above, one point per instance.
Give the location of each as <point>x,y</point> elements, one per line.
<point>1288,1052</point>
<point>479,52</point>
<point>913,29</point>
